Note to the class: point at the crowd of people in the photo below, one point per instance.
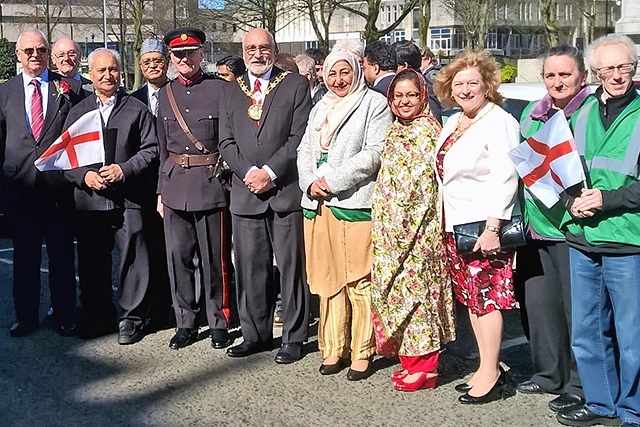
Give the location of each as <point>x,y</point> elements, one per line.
<point>333,176</point>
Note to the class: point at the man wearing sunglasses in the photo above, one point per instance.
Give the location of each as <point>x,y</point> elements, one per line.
<point>191,199</point>
<point>33,108</point>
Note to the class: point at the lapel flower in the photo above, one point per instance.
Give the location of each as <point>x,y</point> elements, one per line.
<point>62,88</point>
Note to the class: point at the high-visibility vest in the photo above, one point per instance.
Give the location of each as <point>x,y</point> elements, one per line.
<point>611,157</point>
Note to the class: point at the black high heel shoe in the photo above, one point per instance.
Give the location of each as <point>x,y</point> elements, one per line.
<point>496,392</point>
<point>464,387</point>
<point>360,375</point>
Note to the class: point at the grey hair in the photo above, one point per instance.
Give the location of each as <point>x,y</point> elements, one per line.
<point>33,31</point>
<point>353,46</point>
<point>566,50</point>
<point>306,64</point>
<point>113,53</point>
<point>76,46</point>
<point>608,40</point>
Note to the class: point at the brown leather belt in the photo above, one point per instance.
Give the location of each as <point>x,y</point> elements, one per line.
<point>193,160</point>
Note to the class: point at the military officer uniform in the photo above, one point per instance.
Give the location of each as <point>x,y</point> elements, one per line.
<point>194,201</point>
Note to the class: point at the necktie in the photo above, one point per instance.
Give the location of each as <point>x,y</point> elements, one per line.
<point>155,105</point>
<point>256,90</point>
<point>37,116</point>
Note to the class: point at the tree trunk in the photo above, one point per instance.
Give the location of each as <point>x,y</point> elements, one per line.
<point>548,14</point>
<point>425,19</point>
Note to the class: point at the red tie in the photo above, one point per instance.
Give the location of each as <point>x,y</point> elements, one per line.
<point>37,118</point>
<point>256,88</point>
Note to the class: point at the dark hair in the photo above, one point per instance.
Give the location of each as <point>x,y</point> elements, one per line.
<point>235,64</point>
<point>317,55</point>
<point>403,75</point>
<point>407,53</point>
<point>380,53</point>
<point>566,50</point>
<point>428,53</point>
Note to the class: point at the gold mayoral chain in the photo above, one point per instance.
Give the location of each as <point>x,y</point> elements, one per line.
<point>255,110</point>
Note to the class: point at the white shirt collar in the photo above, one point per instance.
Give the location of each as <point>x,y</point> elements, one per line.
<point>43,78</point>
<point>264,79</point>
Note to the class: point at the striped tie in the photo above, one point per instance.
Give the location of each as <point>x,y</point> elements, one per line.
<point>37,116</point>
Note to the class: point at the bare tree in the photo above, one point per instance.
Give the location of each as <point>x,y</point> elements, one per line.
<point>548,15</point>
<point>477,17</point>
<point>320,13</point>
<point>369,10</point>
<point>425,18</point>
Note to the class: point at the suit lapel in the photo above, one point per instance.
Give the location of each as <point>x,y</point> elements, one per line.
<point>53,104</point>
<point>268,100</point>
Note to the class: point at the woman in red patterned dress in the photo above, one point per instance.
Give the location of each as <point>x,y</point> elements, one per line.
<point>478,183</point>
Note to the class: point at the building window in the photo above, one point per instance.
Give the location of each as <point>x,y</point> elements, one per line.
<point>388,13</point>
<point>492,39</point>
<point>415,33</point>
<point>311,45</point>
<point>398,36</point>
<point>440,39</point>
<point>395,13</point>
<point>386,38</point>
<point>569,12</point>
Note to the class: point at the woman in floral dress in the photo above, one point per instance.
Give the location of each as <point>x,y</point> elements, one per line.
<point>411,288</point>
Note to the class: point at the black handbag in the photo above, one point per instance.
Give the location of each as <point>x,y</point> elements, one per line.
<point>511,234</point>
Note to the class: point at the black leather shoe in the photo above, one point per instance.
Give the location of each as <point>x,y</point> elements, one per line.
<point>496,392</point>
<point>566,402</point>
<point>289,353</point>
<point>22,329</point>
<point>584,417</point>
<point>247,348</point>
<point>463,387</point>
<point>332,369</point>
<point>360,375</point>
<point>66,329</point>
<point>128,332</point>
<point>183,338</point>
<point>220,339</point>
<point>529,387</point>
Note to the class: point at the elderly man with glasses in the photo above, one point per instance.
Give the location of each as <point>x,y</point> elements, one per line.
<point>604,239</point>
<point>191,199</point>
<point>33,108</point>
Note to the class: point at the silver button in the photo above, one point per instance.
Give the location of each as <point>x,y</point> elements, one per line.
<point>188,92</point>
<point>210,117</point>
<point>186,148</point>
<point>165,117</point>
<point>186,110</point>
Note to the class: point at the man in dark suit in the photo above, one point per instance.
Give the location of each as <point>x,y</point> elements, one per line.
<point>193,201</point>
<point>264,115</point>
<point>154,65</point>
<point>33,108</point>
<point>379,66</point>
<point>112,202</point>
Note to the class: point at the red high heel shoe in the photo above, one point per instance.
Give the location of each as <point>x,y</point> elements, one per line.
<point>424,381</point>
<point>399,375</point>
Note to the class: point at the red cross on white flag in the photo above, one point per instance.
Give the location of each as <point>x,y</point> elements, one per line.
<point>80,145</point>
<point>548,161</point>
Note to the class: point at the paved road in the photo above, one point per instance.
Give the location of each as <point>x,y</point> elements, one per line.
<point>50,381</point>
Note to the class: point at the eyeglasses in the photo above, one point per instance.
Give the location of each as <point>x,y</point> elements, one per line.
<point>411,96</point>
<point>623,68</point>
<point>30,51</point>
<point>156,61</point>
<point>252,50</point>
<point>183,53</point>
<point>72,54</point>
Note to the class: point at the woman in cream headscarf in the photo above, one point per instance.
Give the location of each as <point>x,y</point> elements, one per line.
<point>338,160</point>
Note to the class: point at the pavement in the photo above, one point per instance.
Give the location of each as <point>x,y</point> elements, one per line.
<point>49,381</point>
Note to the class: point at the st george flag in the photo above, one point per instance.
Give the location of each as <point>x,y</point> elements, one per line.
<point>80,145</point>
<point>548,162</point>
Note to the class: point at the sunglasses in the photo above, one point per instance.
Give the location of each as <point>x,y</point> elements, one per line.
<point>183,53</point>
<point>30,51</point>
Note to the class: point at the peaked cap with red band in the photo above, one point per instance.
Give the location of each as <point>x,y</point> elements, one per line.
<point>185,38</point>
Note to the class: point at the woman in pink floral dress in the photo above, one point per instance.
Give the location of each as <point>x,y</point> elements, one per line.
<point>411,288</point>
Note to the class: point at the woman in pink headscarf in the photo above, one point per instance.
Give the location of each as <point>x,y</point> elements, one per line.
<point>338,161</point>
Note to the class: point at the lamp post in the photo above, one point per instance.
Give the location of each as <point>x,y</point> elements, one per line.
<point>175,14</point>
